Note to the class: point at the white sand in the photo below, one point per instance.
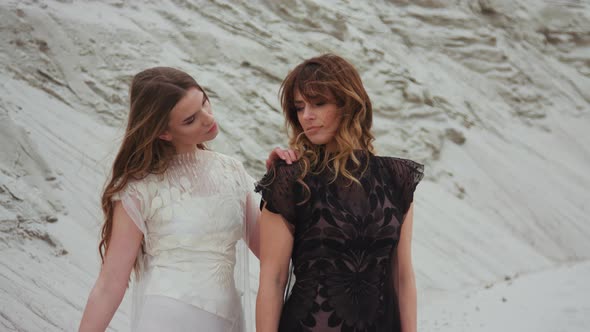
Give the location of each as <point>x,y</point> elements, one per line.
<point>492,95</point>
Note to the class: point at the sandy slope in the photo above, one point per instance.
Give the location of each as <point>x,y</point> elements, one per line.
<point>492,95</point>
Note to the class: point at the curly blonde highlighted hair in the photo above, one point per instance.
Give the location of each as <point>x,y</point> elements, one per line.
<point>330,77</point>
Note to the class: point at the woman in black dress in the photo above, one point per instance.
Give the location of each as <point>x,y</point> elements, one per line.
<point>337,214</point>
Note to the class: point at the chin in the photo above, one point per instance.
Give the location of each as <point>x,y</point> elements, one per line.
<point>212,136</point>
<point>318,140</point>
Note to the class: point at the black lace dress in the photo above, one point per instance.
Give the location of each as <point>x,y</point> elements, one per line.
<point>345,238</point>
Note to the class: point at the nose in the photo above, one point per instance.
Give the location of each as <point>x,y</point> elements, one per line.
<point>209,118</point>
<point>308,113</point>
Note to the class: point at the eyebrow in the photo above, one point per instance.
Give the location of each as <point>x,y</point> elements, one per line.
<point>205,99</point>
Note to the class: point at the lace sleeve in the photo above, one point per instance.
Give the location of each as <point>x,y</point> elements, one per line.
<point>133,197</point>
<point>278,190</point>
<point>408,174</point>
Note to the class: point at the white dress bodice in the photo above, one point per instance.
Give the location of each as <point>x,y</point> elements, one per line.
<point>192,217</point>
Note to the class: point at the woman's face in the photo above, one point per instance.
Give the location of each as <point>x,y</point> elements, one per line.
<point>319,119</point>
<point>191,122</point>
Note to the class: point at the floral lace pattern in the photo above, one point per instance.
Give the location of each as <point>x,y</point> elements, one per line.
<point>192,218</point>
<point>345,238</point>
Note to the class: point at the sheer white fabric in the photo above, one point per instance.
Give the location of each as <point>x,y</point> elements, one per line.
<point>162,313</point>
<point>194,266</point>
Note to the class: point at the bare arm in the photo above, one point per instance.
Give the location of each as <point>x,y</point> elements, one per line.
<point>404,281</point>
<point>109,289</point>
<point>252,231</point>
<point>276,244</point>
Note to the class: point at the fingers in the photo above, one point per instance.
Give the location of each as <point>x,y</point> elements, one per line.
<point>276,153</point>
<point>289,156</point>
<point>286,157</point>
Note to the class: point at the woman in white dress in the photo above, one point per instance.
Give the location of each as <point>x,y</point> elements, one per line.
<point>174,213</point>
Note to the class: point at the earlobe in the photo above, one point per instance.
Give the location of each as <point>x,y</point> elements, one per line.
<point>165,136</point>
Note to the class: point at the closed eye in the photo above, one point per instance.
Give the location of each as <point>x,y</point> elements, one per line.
<point>193,117</point>
<point>189,120</point>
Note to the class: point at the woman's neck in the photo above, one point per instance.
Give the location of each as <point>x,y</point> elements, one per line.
<point>332,147</point>
<point>185,149</point>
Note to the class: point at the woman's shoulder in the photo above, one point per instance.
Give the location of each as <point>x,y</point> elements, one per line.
<point>404,174</point>
<point>136,188</point>
<point>145,185</point>
<point>288,171</point>
<point>400,166</point>
<point>397,161</point>
<point>281,174</point>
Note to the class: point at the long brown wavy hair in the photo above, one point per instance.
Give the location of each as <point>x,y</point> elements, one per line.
<point>153,94</point>
<point>332,78</point>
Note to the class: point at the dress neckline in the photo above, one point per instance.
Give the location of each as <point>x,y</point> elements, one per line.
<point>187,158</point>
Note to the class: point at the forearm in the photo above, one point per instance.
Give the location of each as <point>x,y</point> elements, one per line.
<point>408,302</point>
<point>275,252</point>
<point>102,304</point>
<point>269,303</point>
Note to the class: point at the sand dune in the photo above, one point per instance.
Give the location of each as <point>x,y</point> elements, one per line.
<point>492,95</point>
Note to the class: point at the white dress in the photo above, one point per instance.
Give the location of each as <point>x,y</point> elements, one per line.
<point>193,217</point>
